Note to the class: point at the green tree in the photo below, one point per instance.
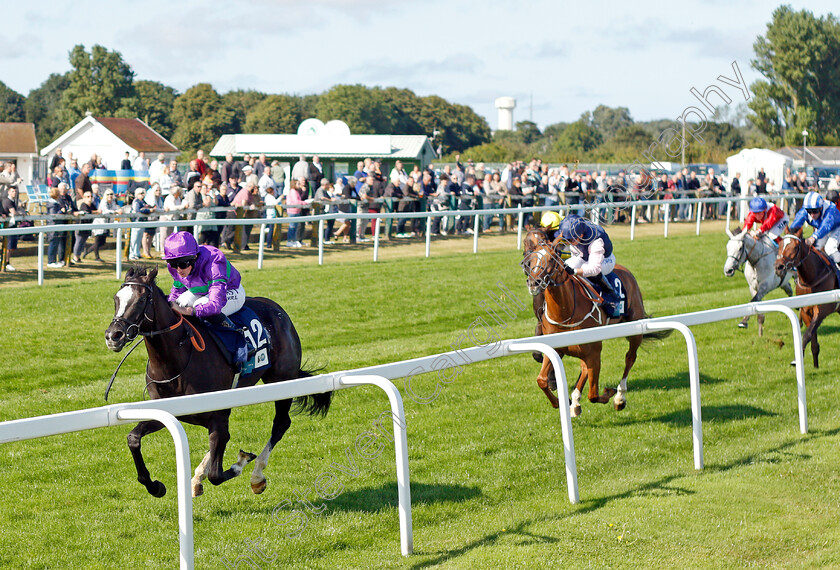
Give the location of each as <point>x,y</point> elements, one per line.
<point>201,117</point>
<point>242,101</point>
<point>554,131</point>
<point>42,107</point>
<point>12,105</point>
<point>528,130</point>
<point>100,82</point>
<point>609,120</point>
<point>580,136</point>
<point>800,59</point>
<point>358,106</point>
<point>402,109</point>
<point>155,102</point>
<point>274,114</point>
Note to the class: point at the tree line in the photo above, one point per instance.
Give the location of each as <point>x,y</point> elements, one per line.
<point>798,56</point>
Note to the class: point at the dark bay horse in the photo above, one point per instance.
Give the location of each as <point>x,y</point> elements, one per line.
<point>183,360</point>
<point>571,303</point>
<point>815,274</point>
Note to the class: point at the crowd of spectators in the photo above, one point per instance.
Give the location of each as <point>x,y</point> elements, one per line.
<point>257,187</point>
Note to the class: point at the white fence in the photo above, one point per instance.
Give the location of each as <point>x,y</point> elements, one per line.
<point>166,410</point>
<point>596,212</point>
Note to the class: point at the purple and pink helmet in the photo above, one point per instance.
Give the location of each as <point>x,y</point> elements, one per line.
<point>179,245</point>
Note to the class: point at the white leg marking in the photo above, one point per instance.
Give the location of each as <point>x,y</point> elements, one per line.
<point>621,391</point>
<point>260,463</point>
<point>200,474</point>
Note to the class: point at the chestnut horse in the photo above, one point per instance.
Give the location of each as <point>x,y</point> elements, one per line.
<point>571,303</point>
<point>816,273</point>
<point>183,360</point>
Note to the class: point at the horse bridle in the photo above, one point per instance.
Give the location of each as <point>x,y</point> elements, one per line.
<point>798,258</point>
<point>127,325</point>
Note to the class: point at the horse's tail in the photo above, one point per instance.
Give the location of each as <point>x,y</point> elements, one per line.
<point>313,404</point>
<point>656,335</point>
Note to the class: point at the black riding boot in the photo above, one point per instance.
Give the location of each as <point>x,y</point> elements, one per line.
<point>220,320</point>
<point>609,295</point>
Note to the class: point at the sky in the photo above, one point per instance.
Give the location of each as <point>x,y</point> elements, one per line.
<point>557,59</point>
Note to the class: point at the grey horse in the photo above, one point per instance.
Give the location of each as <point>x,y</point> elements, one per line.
<point>758,257</point>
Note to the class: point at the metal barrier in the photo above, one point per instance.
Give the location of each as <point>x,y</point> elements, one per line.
<point>166,410</point>
<point>263,223</point>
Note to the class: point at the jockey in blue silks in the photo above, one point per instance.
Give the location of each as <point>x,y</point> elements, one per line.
<point>205,283</point>
<point>825,218</point>
<point>592,255</point>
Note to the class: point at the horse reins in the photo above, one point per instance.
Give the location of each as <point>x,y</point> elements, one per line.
<point>589,292</point>
<point>192,335</point>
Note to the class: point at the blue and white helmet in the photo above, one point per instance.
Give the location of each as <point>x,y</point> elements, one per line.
<point>758,204</point>
<point>813,201</point>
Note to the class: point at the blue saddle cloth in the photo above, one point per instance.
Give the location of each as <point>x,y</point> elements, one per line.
<point>246,346</point>
<point>620,297</point>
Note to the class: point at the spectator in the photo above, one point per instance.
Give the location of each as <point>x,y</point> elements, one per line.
<point>270,202</point>
<point>300,169</point>
<point>9,208</point>
<point>365,192</point>
<point>192,175</point>
<point>173,203</point>
<point>139,207</point>
<point>177,179</point>
<point>56,159</point>
<point>261,165</point>
<point>761,182</point>
<point>278,174</point>
<point>55,177</point>
<point>201,162</point>
<point>226,168</point>
<point>208,235</point>
<point>126,162</point>
<point>108,206</point>
<point>293,210</point>
<point>400,172</point>
<point>154,199</point>
<point>316,174</point>
<point>72,173</point>
<point>349,197</point>
<point>83,183</point>
<point>55,250</point>
<point>265,182</point>
<point>834,183</point>
<point>141,163</point>
<point>156,168</point>
<point>223,200</point>
<point>8,179</point>
<point>247,198</point>
<point>250,177</point>
<point>324,196</point>
<point>86,209</point>
<point>165,180</point>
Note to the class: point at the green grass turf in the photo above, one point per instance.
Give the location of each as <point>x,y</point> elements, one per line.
<point>486,457</point>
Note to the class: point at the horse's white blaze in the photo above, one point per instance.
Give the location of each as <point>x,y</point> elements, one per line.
<point>260,463</point>
<point>123,296</point>
<point>786,241</point>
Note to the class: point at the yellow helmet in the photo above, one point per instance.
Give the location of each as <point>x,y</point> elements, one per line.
<point>550,220</point>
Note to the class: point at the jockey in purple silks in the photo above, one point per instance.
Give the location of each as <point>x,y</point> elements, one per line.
<point>206,284</point>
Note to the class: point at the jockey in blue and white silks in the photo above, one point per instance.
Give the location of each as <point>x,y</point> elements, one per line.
<point>592,254</point>
<point>825,218</point>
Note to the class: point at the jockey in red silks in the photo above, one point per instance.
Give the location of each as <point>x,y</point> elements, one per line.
<point>206,284</point>
<point>773,220</point>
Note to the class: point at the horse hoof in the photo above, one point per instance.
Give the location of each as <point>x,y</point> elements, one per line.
<point>619,405</point>
<point>793,363</point>
<point>538,356</point>
<point>246,456</point>
<point>743,325</point>
<point>258,488</point>
<point>157,489</point>
<point>197,490</point>
<point>575,411</point>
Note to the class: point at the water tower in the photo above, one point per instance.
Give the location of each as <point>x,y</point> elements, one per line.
<point>505,105</point>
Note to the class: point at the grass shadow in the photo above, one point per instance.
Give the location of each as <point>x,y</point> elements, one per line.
<point>682,418</point>
<point>675,382</point>
<point>665,485</point>
<point>375,499</point>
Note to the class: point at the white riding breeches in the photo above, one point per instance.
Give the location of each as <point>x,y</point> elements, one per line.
<point>235,300</point>
<point>607,265</point>
<point>779,229</point>
<point>830,244</point>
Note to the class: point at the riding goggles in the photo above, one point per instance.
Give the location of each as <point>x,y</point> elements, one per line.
<point>182,262</point>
